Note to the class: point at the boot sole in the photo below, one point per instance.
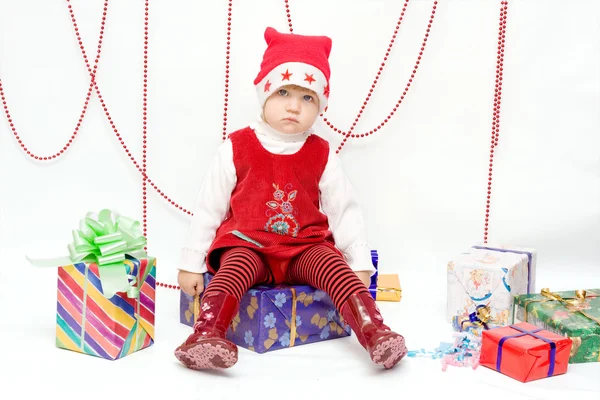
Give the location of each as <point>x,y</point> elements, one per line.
<point>210,353</point>
<point>389,351</point>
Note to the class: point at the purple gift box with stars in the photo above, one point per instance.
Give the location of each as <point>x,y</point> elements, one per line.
<point>276,317</point>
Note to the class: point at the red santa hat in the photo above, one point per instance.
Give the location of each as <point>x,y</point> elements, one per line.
<point>292,59</point>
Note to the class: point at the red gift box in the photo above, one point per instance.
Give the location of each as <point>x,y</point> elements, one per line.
<point>525,352</point>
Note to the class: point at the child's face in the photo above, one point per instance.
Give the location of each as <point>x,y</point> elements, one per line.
<point>292,109</point>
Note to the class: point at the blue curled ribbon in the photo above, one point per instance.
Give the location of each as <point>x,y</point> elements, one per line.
<point>525,332</point>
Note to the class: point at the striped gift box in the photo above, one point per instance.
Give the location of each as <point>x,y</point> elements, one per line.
<point>88,322</point>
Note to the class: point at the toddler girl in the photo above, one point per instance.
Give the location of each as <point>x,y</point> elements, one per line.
<point>276,207</point>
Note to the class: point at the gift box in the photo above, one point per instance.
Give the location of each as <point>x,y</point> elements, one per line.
<point>276,317</point>
<point>105,289</point>
<point>385,287</point>
<point>490,277</point>
<point>531,254</point>
<point>525,352</point>
<point>573,313</point>
<point>266,313</point>
<point>111,328</point>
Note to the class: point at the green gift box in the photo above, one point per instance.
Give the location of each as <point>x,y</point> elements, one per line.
<point>573,313</point>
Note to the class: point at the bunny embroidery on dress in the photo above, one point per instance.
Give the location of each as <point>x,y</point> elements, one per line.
<point>280,212</point>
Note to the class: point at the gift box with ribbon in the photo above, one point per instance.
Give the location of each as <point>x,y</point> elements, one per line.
<point>387,289</point>
<point>525,352</point>
<point>277,317</point>
<point>106,288</point>
<point>384,287</point>
<point>531,254</point>
<point>489,276</point>
<point>573,313</point>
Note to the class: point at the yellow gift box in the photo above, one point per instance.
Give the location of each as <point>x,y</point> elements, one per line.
<point>388,288</point>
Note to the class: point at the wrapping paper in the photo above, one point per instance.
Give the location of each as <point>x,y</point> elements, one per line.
<point>527,251</point>
<point>276,317</point>
<point>387,288</point>
<point>384,287</point>
<point>111,328</point>
<point>488,277</point>
<point>525,352</point>
<point>563,318</point>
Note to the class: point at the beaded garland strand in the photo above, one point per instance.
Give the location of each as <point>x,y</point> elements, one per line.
<point>347,134</point>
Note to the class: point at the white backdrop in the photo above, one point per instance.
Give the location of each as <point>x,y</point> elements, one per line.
<point>422,179</point>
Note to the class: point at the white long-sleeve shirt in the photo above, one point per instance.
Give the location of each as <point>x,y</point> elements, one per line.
<point>337,197</point>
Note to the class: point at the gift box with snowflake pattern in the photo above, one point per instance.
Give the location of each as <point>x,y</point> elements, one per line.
<point>277,317</point>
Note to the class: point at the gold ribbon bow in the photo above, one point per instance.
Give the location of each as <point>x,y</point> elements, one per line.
<point>573,304</point>
<point>484,315</point>
<point>483,318</point>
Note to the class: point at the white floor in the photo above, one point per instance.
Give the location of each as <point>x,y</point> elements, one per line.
<point>32,365</point>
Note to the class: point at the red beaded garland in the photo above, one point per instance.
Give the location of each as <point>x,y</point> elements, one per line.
<point>145,127</point>
<point>289,16</point>
<point>227,53</point>
<point>395,108</point>
<point>140,168</point>
<point>92,71</point>
<point>350,133</point>
<point>496,111</point>
<point>143,168</point>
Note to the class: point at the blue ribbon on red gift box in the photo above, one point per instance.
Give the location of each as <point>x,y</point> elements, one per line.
<point>525,332</point>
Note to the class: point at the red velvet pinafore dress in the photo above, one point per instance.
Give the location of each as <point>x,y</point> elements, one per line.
<point>274,208</point>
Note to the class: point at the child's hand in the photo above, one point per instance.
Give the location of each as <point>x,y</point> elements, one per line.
<point>191,283</point>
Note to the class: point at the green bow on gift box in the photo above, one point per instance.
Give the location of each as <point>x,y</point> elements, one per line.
<point>104,239</point>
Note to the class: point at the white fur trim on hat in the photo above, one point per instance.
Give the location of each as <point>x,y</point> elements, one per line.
<point>294,73</point>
